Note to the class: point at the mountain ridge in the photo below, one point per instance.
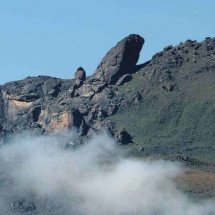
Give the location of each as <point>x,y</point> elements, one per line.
<point>161,109</point>
<point>176,79</point>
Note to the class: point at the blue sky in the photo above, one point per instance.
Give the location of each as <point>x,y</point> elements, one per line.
<point>48,37</point>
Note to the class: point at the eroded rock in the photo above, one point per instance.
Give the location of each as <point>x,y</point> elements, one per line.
<point>80,74</point>
<point>46,103</point>
<point>60,120</point>
<point>120,60</point>
<point>123,137</point>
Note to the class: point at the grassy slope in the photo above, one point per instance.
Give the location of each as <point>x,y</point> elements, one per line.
<point>164,124</point>
<point>167,124</point>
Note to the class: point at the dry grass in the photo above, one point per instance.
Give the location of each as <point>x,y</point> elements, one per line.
<point>198,183</point>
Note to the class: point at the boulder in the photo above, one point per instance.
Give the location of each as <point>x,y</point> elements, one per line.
<point>123,137</point>
<point>80,74</point>
<point>120,60</point>
<point>60,120</point>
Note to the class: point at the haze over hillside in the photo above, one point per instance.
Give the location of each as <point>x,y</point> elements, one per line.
<point>40,176</point>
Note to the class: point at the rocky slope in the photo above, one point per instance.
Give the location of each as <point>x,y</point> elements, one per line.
<point>162,108</point>
<point>46,103</point>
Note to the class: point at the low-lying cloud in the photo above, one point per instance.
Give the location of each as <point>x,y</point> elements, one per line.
<point>40,175</point>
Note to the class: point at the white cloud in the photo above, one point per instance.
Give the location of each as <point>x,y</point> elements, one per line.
<point>95,178</point>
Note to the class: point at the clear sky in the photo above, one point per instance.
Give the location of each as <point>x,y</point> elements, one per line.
<point>48,37</point>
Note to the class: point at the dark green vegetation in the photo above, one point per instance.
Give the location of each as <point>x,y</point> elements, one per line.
<point>175,116</point>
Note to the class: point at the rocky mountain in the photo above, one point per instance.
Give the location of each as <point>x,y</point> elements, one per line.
<point>162,107</point>
<point>45,103</point>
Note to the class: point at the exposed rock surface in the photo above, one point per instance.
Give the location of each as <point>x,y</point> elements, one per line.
<point>80,74</point>
<point>165,101</point>
<point>120,60</point>
<point>167,106</point>
<point>123,137</point>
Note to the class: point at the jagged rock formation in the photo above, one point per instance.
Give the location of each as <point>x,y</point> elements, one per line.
<point>152,101</point>
<point>80,74</point>
<point>120,60</point>
<point>45,104</point>
<point>122,136</point>
<point>163,108</point>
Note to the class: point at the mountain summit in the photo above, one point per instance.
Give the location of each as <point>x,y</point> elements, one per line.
<point>160,108</point>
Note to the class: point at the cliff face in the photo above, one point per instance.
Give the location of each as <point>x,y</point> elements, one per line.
<point>45,103</point>
<point>165,106</point>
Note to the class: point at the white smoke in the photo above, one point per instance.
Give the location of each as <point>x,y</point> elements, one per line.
<point>92,179</point>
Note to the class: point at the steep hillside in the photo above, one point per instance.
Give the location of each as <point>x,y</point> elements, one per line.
<point>169,105</point>
<point>44,104</point>
<point>162,108</point>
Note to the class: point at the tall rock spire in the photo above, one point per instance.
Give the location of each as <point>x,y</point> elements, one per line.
<point>120,60</point>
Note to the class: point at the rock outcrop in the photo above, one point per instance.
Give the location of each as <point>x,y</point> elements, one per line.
<point>80,74</point>
<point>120,60</point>
<point>123,137</point>
<point>43,104</point>
<point>164,108</point>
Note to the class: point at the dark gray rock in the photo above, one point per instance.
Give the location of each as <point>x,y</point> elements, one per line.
<point>123,137</point>
<point>80,74</point>
<point>44,104</point>
<point>80,77</point>
<point>120,60</point>
<point>177,121</point>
